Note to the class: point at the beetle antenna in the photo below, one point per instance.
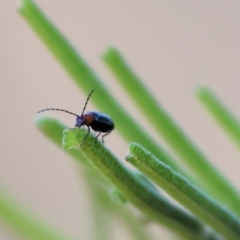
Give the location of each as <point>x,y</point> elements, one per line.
<point>57,109</point>
<point>87,102</point>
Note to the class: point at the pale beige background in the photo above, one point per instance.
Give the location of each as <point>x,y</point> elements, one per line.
<point>175,46</point>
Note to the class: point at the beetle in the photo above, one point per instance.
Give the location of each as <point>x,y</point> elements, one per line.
<point>99,122</point>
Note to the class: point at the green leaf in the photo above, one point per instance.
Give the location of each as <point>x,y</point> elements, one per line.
<point>204,207</point>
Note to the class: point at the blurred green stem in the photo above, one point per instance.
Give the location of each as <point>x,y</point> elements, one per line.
<point>22,221</point>
<point>220,113</point>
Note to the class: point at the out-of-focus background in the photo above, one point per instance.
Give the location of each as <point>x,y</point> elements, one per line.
<point>174,46</point>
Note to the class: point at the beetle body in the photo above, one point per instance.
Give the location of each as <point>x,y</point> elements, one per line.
<point>99,122</point>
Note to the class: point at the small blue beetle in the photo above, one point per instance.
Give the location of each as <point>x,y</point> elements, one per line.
<point>99,122</point>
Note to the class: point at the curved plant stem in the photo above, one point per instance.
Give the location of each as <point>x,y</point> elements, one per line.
<point>217,216</point>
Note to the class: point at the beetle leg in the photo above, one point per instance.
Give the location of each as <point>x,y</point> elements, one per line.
<point>97,137</point>
<point>105,135</point>
<point>85,136</point>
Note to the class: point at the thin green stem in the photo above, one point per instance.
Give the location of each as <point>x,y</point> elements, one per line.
<point>220,113</point>
<point>204,207</point>
<point>211,180</point>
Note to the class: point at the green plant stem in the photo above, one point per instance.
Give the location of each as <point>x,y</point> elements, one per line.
<point>204,207</point>
<point>87,80</point>
<point>97,186</point>
<point>211,180</point>
<point>19,219</point>
<point>220,113</point>
<point>135,191</point>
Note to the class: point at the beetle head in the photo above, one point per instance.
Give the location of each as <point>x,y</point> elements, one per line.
<point>80,121</point>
